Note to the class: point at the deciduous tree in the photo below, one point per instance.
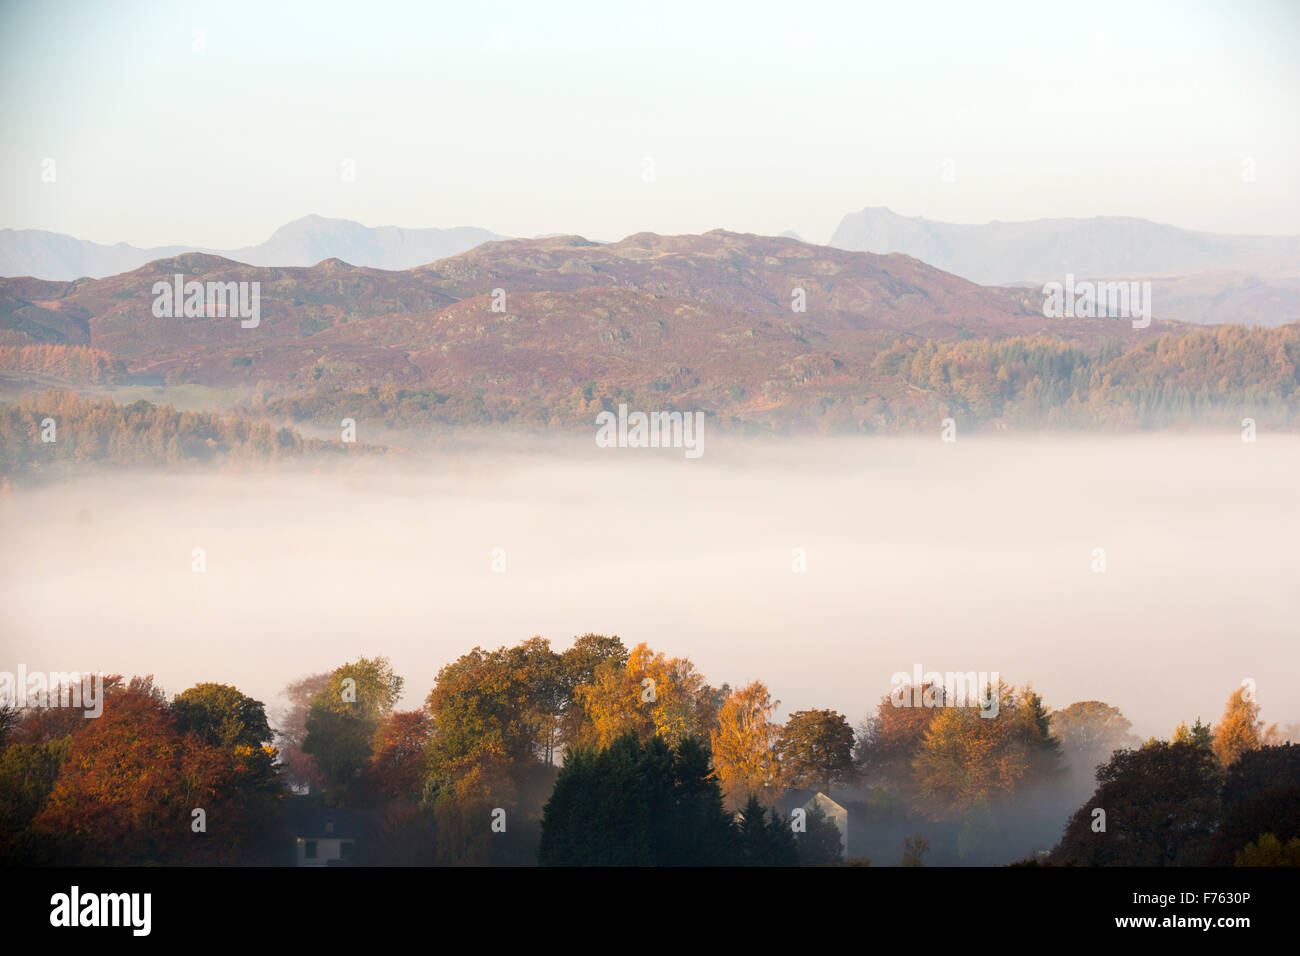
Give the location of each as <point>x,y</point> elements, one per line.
<point>220,715</point>
<point>650,695</point>
<point>1240,730</point>
<point>816,749</point>
<point>1160,805</point>
<point>344,716</point>
<point>745,745</point>
<point>967,756</point>
<point>398,761</point>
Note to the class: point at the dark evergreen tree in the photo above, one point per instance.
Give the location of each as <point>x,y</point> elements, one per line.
<point>819,843</point>
<point>764,837</point>
<point>634,804</point>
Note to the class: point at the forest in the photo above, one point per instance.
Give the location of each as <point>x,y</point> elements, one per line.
<point>1206,378</point>
<point>49,435</point>
<point>602,754</point>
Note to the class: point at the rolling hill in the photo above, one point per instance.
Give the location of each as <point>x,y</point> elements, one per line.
<point>549,331</point>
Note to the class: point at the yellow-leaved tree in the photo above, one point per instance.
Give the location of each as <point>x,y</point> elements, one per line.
<point>968,759</point>
<point>745,746</point>
<point>1241,729</point>
<point>650,694</point>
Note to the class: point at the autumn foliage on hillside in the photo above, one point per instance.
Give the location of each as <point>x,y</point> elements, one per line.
<point>1203,377</point>
<point>1211,375</point>
<point>871,344</point>
<point>73,363</point>
<point>87,431</point>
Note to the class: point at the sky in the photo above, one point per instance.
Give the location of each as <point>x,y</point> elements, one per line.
<point>215,123</point>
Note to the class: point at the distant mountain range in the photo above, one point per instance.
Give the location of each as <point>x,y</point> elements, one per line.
<point>1004,253</point>
<point>1196,276</point>
<point>648,280</point>
<point>757,331</point>
<point>303,242</point>
<point>720,321</point>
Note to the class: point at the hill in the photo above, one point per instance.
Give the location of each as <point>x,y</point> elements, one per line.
<point>550,331</point>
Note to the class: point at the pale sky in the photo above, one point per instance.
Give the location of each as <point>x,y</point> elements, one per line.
<point>529,118</point>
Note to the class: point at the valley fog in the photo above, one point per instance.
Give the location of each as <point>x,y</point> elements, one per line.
<point>977,555</point>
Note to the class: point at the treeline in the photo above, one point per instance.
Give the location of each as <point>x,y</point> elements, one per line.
<point>58,430</point>
<point>397,408</point>
<point>75,363</point>
<point>1212,376</point>
<point>123,788</point>
<point>605,755</point>
<point>421,407</point>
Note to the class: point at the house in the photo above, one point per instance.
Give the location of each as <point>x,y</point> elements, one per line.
<point>834,811</point>
<point>327,837</point>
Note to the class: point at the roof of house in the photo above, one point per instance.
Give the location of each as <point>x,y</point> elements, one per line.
<point>792,799</point>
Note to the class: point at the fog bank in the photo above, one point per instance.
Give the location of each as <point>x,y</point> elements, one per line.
<point>976,555</point>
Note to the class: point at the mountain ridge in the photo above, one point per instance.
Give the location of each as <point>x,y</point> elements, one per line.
<point>1208,278</point>
<point>36,253</point>
<point>722,320</point>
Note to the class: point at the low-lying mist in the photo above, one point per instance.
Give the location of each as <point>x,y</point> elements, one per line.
<point>977,555</point>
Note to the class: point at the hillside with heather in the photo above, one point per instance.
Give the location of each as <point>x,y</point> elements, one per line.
<point>766,333</point>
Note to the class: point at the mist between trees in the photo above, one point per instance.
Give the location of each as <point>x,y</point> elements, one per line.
<point>601,754</point>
